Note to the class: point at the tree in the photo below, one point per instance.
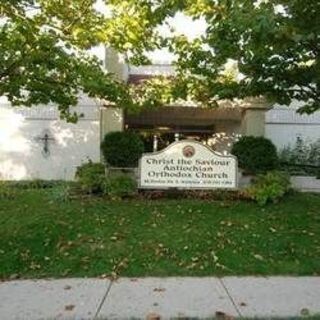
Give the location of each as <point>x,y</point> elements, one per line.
<point>274,46</point>
<point>44,57</point>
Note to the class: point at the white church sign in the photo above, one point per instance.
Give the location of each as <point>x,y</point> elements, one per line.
<point>187,165</point>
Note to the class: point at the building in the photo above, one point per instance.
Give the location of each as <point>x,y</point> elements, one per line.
<point>35,143</point>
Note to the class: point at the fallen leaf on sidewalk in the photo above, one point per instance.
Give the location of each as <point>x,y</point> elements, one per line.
<point>153,316</point>
<point>220,315</point>
<point>69,307</point>
<point>159,289</point>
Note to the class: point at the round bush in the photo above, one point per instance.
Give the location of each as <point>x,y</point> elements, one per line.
<point>255,154</point>
<point>122,149</point>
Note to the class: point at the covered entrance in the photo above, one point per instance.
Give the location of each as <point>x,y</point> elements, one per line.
<point>216,127</point>
<point>162,126</point>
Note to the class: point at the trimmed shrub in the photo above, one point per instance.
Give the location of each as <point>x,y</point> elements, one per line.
<point>91,177</point>
<point>121,187</point>
<point>122,149</point>
<point>255,154</point>
<point>269,187</point>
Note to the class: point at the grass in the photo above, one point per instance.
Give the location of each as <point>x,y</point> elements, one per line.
<point>42,237</point>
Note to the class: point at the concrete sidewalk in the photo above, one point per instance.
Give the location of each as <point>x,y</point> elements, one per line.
<point>160,298</point>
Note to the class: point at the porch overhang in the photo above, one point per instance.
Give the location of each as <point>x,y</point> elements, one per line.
<point>182,116</point>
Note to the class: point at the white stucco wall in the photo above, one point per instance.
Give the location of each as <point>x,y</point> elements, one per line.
<point>284,125</point>
<point>22,153</point>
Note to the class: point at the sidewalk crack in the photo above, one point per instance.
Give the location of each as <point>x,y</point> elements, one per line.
<point>103,301</point>
<point>230,297</point>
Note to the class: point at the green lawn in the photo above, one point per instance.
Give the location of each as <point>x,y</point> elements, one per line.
<point>40,237</point>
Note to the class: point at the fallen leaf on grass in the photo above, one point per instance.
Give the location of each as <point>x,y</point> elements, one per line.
<point>214,256</point>
<point>258,257</point>
<point>66,272</point>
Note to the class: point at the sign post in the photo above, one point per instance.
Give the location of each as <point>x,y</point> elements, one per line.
<point>187,164</point>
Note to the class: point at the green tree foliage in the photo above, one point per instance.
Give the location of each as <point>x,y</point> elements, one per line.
<point>44,58</point>
<point>274,44</point>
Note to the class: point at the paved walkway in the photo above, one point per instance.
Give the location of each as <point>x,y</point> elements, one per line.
<point>160,298</point>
